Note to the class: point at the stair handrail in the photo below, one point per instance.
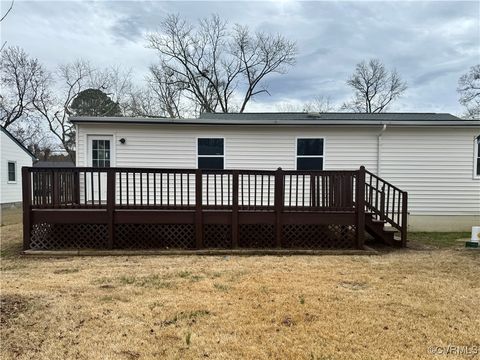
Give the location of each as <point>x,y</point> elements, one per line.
<point>387,202</point>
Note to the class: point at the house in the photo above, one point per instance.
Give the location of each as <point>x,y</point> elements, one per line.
<point>54,164</point>
<point>434,157</point>
<point>13,156</point>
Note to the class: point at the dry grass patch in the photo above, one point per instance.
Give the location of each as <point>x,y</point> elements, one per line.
<point>391,306</point>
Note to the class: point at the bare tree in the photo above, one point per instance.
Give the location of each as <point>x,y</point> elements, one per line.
<point>469,90</point>
<point>374,87</point>
<point>166,90</point>
<point>22,80</point>
<point>32,134</point>
<point>3,18</point>
<point>8,11</point>
<point>211,63</point>
<point>70,80</point>
<point>54,105</point>
<point>319,104</point>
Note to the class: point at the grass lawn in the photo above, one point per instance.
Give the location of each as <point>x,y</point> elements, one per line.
<point>10,215</point>
<point>389,306</point>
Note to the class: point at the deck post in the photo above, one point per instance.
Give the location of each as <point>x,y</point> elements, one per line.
<point>26,202</point>
<point>360,207</point>
<point>235,209</point>
<point>404,219</point>
<point>110,206</point>
<point>198,210</point>
<point>279,183</point>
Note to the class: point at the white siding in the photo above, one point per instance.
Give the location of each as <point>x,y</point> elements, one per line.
<point>10,151</point>
<point>435,165</point>
<point>245,147</point>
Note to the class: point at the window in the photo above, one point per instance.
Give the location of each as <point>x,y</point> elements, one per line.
<point>101,153</point>
<point>309,154</point>
<point>210,153</point>
<point>12,171</point>
<point>476,165</point>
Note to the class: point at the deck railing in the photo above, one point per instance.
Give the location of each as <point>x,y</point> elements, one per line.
<point>136,188</point>
<point>277,197</point>
<point>387,203</point>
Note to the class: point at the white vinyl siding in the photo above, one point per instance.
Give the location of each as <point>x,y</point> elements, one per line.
<point>433,164</point>
<point>246,147</point>
<point>10,152</point>
<point>476,158</point>
<point>435,167</point>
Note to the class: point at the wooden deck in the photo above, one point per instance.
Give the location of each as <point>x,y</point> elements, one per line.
<point>126,208</point>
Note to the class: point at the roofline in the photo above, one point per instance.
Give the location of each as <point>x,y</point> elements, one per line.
<point>243,122</point>
<point>16,141</point>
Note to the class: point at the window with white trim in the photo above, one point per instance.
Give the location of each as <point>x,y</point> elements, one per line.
<point>12,171</point>
<point>210,153</point>
<point>310,154</point>
<point>476,165</point>
<point>100,153</point>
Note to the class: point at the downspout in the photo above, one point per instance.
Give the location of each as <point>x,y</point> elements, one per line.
<point>76,144</point>
<point>379,146</point>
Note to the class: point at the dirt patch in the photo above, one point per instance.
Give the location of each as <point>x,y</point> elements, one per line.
<point>11,306</point>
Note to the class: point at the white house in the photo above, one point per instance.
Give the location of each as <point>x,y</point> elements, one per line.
<point>13,156</point>
<point>435,157</point>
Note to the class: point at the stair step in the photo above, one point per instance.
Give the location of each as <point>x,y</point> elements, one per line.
<point>378,221</point>
<point>389,230</point>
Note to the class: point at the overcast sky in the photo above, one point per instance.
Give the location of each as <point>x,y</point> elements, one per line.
<point>430,43</point>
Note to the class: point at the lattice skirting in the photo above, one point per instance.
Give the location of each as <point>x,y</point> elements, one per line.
<point>319,236</point>
<point>182,236</point>
<point>159,236</point>
<point>68,236</point>
<point>256,236</point>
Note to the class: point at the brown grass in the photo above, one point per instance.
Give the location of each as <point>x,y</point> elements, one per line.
<point>391,306</point>
<point>10,215</point>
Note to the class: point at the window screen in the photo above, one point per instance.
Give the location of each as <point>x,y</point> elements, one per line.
<point>101,153</point>
<point>309,154</point>
<point>210,153</point>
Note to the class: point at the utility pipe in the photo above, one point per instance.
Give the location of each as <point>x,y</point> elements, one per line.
<point>379,143</point>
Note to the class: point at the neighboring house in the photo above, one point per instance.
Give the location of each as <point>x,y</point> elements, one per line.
<point>54,164</point>
<point>435,157</point>
<point>13,156</point>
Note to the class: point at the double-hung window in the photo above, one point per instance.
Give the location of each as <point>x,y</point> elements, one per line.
<point>12,171</point>
<point>210,153</point>
<point>310,154</point>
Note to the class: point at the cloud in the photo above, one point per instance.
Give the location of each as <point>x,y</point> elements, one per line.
<point>430,43</point>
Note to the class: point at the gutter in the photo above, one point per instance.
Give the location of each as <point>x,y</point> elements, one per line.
<point>379,146</point>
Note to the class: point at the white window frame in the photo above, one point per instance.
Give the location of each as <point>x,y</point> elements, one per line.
<point>8,172</point>
<point>476,155</point>
<point>310,156</point>
<point>88,154</point>
<point>224,149</point>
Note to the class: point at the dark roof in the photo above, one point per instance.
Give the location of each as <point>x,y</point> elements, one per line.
<point>400,119</point>
<point>333,116</point>
<point>54,164</point>
<point>20,145</point>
